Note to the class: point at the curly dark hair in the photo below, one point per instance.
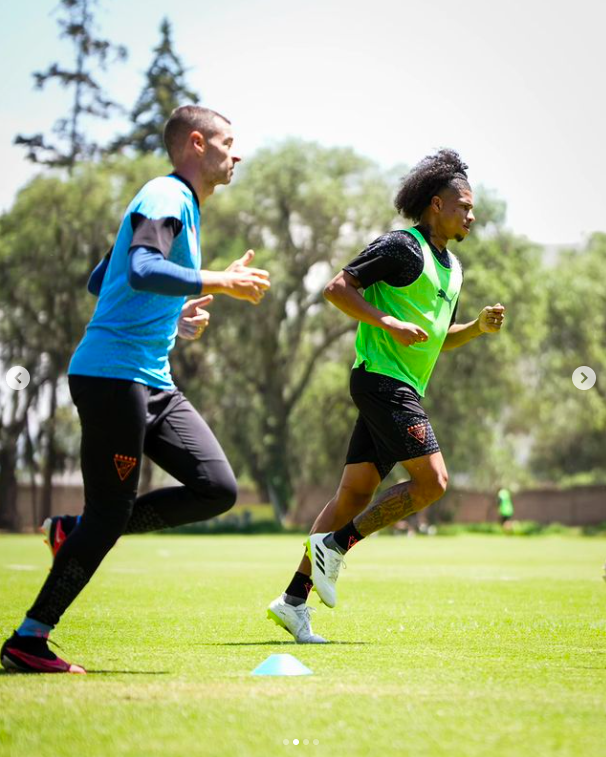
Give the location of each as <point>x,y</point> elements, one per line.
<point>427,179</point>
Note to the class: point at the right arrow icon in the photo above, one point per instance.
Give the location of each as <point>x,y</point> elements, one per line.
<point>584,377</point>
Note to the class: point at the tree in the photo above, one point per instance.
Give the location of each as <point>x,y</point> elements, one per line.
<point>479,394</point>
<point>164,90</point>
<point>305,209</point>
<point>570,439</point>
<point>51,241</point>
<point>72,142</point>
<point>14,409</point>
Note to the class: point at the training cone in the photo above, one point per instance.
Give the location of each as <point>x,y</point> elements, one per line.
<point>281,665</point>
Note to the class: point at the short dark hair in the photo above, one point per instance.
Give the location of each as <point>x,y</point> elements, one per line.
<point>427,179</point>
<point>185,119</point>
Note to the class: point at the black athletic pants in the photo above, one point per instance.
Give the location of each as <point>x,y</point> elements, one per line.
<point>120,421</point>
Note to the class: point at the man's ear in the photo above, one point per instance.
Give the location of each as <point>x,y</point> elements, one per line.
<point>436,203</point>
<point>198,142</point>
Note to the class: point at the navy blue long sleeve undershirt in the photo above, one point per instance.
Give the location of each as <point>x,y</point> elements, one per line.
<point>149,271</point>
<point>96,278</point>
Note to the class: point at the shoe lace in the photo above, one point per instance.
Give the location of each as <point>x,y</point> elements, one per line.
<point>335,565</point>
<point>304,612</point>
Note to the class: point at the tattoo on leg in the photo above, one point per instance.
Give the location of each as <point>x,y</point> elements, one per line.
<point>393,505</point>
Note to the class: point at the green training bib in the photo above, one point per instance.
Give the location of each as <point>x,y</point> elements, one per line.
<point>429,303</point>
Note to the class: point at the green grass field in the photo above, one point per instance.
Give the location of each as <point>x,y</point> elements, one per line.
<point>462,646</point>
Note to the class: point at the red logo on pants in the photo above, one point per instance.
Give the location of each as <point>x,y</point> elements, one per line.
<point>124,465</point>
<point>419,432</point>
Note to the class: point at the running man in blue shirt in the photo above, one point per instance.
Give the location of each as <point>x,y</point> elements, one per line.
<point>121,384</point>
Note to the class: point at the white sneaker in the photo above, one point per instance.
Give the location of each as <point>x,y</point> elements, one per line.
<point>325,566</point>
<point>296,620</point>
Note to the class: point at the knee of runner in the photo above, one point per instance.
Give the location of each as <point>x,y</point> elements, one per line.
<point>438,486</point>
<point>107,516</point>
<point>226,497</point>
<point>354,501</point>
<point>431,490</point>
<point>220,494</point>
<point>104,526</point>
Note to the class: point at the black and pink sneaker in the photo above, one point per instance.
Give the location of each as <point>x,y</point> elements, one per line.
<point>57,529</point>
<point>30,654</point>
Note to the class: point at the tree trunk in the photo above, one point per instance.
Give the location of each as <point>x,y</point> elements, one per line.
<point>30,463</point>
<point>278,480</point>
<point>9,437</point>
<point>50,458</point>
<point>9,517</point>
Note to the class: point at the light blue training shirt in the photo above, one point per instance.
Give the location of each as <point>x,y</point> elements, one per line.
<point>132,332</point>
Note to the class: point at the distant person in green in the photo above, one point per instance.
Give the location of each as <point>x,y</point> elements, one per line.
<point>505,504</point>
<point>403,289</point>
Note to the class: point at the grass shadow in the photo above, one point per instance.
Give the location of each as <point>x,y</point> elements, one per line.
<point>90,672</point>
<point>276,644</point>
<point>130,672</point>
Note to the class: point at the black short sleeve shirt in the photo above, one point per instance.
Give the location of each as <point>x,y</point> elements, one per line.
<point>397,259</point>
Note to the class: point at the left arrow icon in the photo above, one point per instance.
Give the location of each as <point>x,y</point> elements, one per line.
<point>17,377</point>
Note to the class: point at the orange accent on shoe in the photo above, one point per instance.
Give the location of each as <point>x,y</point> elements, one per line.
<point>124,465</point>
<point>60,537</point>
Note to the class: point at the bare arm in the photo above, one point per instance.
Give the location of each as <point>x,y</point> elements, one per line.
<point>489,321</point>
<point>461,333</point>
<point>343,292</point>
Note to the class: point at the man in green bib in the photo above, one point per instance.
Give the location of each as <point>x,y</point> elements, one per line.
<point>403,289</point>
<point>505,505</point>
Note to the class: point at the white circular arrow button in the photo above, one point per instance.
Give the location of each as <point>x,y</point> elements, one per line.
<point>584,377</point>
<point>17,377</point>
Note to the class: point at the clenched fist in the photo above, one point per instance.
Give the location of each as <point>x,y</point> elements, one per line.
<point>491,318</point>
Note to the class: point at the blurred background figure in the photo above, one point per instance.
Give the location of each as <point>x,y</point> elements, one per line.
<point>505,505</point>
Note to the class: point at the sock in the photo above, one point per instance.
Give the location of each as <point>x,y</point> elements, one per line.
<point>298,589</point>
<point>343,539</point>
<point>31,627</point>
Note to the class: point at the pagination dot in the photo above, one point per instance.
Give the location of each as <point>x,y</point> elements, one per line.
<point>316,742</point>
<point>285,742</point>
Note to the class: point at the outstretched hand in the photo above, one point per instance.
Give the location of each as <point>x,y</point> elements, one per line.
<point>491,318</point>
<point>245,283</point>
<point>194,319</point>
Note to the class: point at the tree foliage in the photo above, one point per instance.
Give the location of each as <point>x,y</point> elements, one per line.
<point>273,380</point>
<point>57,230</point>
<point>305,210</point>
<point>570,439</point>
<point>478,394</point>
<point>72,142</point>
<point>165,89</point>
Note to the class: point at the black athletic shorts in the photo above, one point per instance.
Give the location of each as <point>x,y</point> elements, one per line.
<point>392,426</point>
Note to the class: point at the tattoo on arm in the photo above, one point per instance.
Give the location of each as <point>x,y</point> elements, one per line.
<point>393,505</point>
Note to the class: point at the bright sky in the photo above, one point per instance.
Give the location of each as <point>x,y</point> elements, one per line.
<point>517,87</point>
